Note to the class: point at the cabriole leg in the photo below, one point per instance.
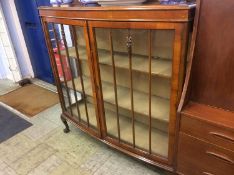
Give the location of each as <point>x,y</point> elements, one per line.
<point>66,130</point>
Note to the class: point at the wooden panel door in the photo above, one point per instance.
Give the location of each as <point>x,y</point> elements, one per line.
<point>137,66</point>
<point>70,55</point>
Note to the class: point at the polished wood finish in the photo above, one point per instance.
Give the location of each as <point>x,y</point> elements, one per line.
<point>172,13</point>
<point>213,83</point>
<point>129,47</point>
<point>150,89</point>
<point>209,114</point>
<point>206,128</point>
<point>197,157</point>
<point>92,103</point>
<point>79,70</point>
<point>179,41</point>
<point>114,82</point>
<point>217,135</point>
<point>53,65</point>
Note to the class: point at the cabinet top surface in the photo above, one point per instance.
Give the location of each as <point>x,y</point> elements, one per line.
<point>210,114</point>
<point>123,8</point>
<point>172,13</point>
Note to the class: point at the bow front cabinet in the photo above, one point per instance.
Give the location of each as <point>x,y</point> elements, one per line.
<point>119,73</point>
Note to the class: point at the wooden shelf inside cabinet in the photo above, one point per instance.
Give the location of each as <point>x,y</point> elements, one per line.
<point>160,66</point>
<point>159,112</point>
<point>83,118</point>
<point>126,136</point>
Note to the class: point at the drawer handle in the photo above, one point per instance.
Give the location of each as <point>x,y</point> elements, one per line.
<point>222,157</point>
<point>222,136</point>
<point>206,173</point>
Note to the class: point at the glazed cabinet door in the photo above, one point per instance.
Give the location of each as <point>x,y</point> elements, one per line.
<point>137,66</point>
<point>69,52</point>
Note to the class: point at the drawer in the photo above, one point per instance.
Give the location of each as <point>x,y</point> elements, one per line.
<point>196,157</point>
<point>215,134</point>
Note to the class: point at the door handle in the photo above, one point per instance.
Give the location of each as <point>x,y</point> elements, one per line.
<point>206,173</point>
<point>221,157</point>
<point>223,136</point>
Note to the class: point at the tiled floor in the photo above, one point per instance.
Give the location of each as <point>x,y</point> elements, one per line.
<point>43,149</point>
<point>6,86</point>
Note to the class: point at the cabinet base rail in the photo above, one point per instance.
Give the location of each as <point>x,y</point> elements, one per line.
<point>137,154</point>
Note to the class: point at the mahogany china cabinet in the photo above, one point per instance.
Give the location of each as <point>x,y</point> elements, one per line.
<point>119,72</point>
<point>206,134</point>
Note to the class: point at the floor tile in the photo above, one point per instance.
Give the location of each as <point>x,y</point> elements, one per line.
<point>7,86</point>
<point>5,169</point>
<point>108,161</point>
<point>15,147</point>
<point>97,160</point>
<point>53,114</point>
<point>119,165</point>
<point>67,169</point>
<point>32,159</point>
<point>73,147</point>
<point>48,166</point>
<point>40,128</point>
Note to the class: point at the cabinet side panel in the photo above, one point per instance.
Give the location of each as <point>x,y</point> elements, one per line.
<point>213,80</point>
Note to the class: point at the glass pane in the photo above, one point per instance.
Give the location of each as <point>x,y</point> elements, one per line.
<point>74,74</point>
<point>124,63</point>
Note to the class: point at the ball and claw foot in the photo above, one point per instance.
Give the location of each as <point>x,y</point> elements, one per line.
<point>66,130</point>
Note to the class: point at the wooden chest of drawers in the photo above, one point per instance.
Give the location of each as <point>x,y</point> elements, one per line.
<point>206,141</point>
<point>198,157</point>
<point>206,123</point>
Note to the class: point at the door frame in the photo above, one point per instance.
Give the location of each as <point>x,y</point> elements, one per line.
<point>36,49</point>
<point>73,23</point>
<point>177,70</point>
<point>176,81</point>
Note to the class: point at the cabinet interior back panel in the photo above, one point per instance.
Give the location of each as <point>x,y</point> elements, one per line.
<point>213,80</point>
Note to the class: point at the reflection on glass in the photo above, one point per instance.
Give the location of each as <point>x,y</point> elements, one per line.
<point>73,69</point>
<point>125,71</point>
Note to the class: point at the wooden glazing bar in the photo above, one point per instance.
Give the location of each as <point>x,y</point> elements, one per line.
<point>150,87</point>
<point>69,63</point>
<point>129,47</point>
<point>62,66</point>
<point>114,81</point>
<point>53,64</point>
<point>79,70</point>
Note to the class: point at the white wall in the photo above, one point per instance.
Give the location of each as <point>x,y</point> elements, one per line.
<point>5,72</point>
<point>9,68</point>
<point>17,38</point>
<point>4,65</point>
